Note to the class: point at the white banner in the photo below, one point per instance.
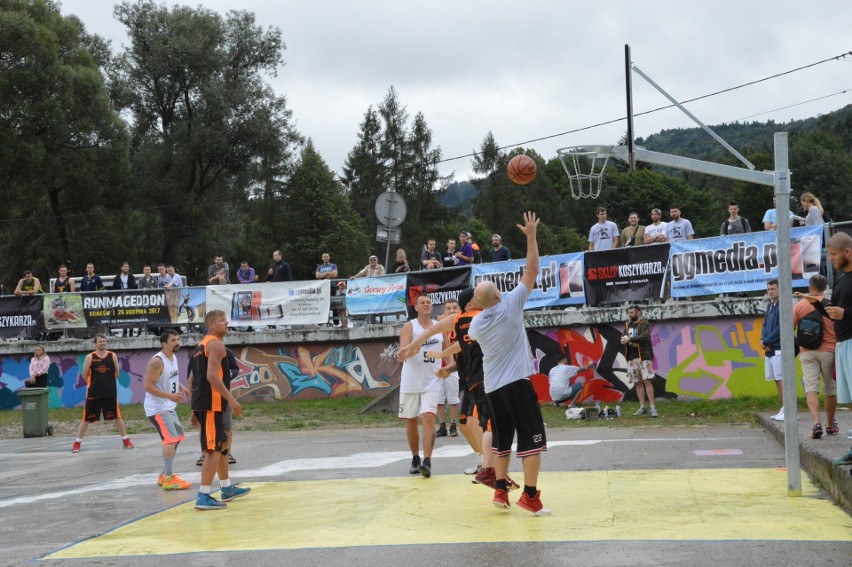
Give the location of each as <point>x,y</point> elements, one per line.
<point>274,303</point>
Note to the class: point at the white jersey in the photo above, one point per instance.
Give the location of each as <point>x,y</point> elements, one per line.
<point>418,372</point>
<point>167,382</point>
<point>500,332</point>
<point>654,230</point>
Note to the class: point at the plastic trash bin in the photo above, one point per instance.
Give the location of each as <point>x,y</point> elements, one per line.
<point>34,408</point>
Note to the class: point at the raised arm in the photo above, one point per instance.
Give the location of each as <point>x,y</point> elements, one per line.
<point>530,228</point>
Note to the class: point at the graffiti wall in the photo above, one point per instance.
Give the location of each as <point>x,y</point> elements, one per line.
<point>697,359</point>
<point>268,373</point>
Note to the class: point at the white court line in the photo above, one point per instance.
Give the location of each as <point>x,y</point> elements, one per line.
<point>356,461</point>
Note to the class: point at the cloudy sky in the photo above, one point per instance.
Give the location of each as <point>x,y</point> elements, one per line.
<point>528,70</point>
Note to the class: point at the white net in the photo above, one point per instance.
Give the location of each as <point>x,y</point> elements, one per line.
<point>584,166</point>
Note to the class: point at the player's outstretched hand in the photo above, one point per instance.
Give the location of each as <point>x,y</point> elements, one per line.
<point>530,224</point>
<point>237,408</point>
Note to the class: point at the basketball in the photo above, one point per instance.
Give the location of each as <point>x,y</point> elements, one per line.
<point>521,169</point>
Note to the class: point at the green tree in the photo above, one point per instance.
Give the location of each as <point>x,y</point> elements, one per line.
<point>64,147</point>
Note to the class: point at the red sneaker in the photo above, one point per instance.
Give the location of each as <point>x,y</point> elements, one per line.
<point>533,504</point>
<point>501,499</point>
<point>128,444</point>
<point>512,484</point>
<point>487,478</point>
<point>75,448</point>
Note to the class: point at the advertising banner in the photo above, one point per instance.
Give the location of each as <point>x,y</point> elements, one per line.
<point>629,274</point>
<point>559,282</point>
<point>375,296</point>
<point>185,305</point>
<point>742,262</point>
<point>273,303</point>
<point>439,285</point>
<point>125,307</point>
<point>63,311</point>
<point>19,316</point>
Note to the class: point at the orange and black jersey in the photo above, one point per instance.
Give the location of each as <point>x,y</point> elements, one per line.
<point>103,373</point>
<point>469,361</point>
<point>204,397</point>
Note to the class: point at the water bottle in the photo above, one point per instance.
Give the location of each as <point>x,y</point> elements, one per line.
<point>617,410</point>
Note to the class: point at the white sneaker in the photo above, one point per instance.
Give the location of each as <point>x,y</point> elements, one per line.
<point>473,470</point>
<point>778,416</point>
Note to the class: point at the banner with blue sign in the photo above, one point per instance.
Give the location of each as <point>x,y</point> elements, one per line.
<point>371,296</point>
<point>742,262</point>
<point>559,282</point>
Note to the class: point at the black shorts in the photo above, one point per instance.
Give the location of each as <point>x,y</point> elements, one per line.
<point>40,382</point>
<point>95,407</point>
<point>212,430</point>
<point>514,407</point>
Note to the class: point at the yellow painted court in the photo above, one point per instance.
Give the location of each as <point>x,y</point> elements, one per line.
<point>677,505</point>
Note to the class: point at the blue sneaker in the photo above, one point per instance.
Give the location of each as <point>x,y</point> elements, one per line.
<point>844,460</point>
<point>207,502</point>
<point>233,492</point>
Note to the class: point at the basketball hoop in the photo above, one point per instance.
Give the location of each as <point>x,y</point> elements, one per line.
<point>584,166</point>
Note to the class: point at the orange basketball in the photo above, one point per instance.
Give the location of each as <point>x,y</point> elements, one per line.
<point>521,169</point>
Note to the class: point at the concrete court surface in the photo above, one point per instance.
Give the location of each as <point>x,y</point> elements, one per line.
<point>639,496</point>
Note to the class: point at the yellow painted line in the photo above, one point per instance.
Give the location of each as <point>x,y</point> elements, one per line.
<point>681,505</point>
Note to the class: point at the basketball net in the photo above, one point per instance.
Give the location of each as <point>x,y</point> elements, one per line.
<point>584,166</point>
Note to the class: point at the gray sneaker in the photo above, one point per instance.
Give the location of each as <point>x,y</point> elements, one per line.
<point>640,411</point>
<point>654,412</point>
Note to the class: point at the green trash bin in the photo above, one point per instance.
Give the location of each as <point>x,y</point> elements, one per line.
<point>34,408</point>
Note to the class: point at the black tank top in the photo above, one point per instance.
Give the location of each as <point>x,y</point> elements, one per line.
<point>61,286</point>
<point>204,397</point>
<point>470,357</point>
<point>102,378</point>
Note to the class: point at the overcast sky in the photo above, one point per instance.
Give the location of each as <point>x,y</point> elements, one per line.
<point>527,70</point>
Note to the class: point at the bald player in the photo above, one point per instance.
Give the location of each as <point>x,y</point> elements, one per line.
<point>508,366</point>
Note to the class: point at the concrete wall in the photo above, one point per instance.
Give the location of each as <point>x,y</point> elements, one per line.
<point>705,350</point>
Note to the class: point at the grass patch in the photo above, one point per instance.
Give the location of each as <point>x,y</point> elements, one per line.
<point>345,413</point>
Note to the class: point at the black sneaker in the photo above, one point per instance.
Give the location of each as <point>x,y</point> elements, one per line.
<point>415,465</point>
<point>231,459</point>
<point>442,430</point>
<point>200,460</point>
<point>454,432</point>
<point>426,468</point>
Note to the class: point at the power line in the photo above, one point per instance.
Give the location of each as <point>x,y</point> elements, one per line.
<point>794,105</point>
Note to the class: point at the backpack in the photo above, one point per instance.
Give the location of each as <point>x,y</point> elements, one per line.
<point>809,332</point>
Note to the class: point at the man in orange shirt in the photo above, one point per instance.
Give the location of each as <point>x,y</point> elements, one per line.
<point>819,360</point>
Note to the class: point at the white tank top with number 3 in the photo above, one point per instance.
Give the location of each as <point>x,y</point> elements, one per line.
<point>168,381</point>
<point>418,372</point>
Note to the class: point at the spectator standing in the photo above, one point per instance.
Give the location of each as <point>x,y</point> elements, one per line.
<point>63,283</point>
<point>735,223</point>
<point>147,281</point>
<point>603,234</point>
<point>174,279</point>
<point>678,228</point>
<point>770,217</point>
<point>246,273</point>
<point>639,354</point>
<point>430,259</point>
<point>465,254</point>
<point>279,270</point>
<point>770,338</point>
<point>499,253</point>
<point>449,258</point>
<point>818,359</point>
<point>124,279</point>
<point>400,265</point>
<point>371,270</point>
<point>656,231</point>
<point>219,272</point>
<point>163,278</point>
<point>91,281</point>
<point>813,208</point>
<point>39,365</point>
<point>634,233</point>
<point>28,285</point>
<point>326,270</point>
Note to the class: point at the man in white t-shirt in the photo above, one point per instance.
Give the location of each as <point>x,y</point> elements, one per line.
<point>678,228</point>
<point>656,231</point>
<point>163,391</point>
<point>419,387</point>
<point>603,234</point>
<point>508,366</point>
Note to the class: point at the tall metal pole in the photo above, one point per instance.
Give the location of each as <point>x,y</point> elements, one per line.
<point>785,294</point>
<point>631,153</point>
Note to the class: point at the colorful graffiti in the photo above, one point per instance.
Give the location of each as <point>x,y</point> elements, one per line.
<point>266,373</point>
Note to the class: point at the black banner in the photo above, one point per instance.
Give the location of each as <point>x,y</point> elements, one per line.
<point>20,317</point>
<point>440,285</point>
<point>126,307</point>
<point>625,274</point>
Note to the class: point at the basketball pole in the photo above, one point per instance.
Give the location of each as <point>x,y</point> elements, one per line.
<point>631,153</point>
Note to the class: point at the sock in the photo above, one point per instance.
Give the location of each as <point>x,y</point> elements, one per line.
<point>78,440</point>
<point>502,484</point>
<point>167,466</point>
<point>124,437</point>
<point>204,489</point>
<point>225,483</point>
<point>530,491</point>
